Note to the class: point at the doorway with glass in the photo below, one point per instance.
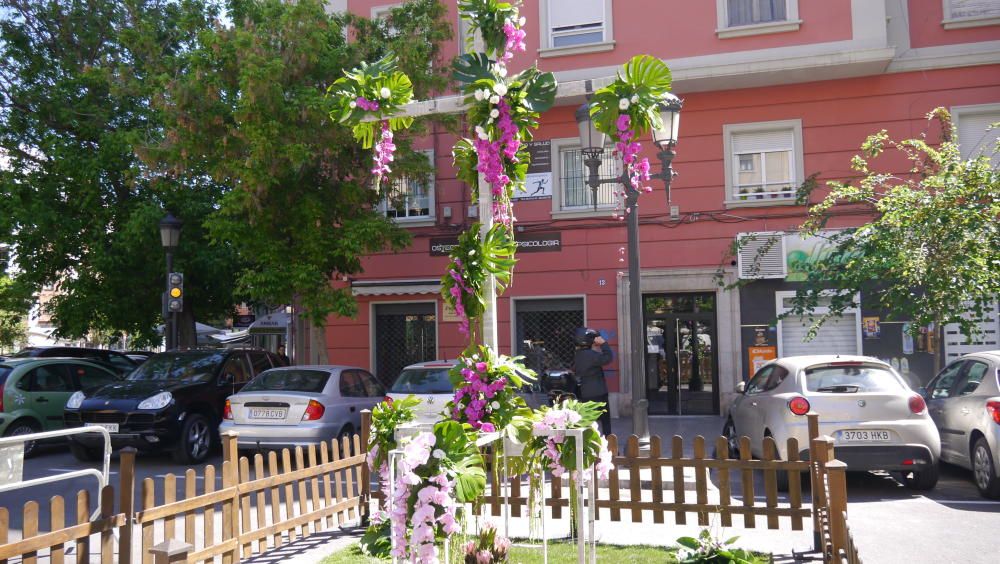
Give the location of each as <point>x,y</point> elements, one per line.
<point>682,357</point>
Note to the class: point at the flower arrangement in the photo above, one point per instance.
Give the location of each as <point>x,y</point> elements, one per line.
<point>486,386</point>
<point>487,548</point>
<point>556,454</point>
<point>629,107</point>
<point>472,261</point>
<point>375,90</point>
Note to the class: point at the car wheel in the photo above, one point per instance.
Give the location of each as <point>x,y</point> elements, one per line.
<point>984,471</point>
<point>24,427</point>
<point>195,440</point>
<point>921,480</point>
<point>348,432</point>
<point>84,453</point>
<point>732,440</point>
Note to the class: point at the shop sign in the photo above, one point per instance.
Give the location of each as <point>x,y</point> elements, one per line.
<point>538,181</point>
<point>545,242</point>
<point>243,321</point>
<point>759,356</point>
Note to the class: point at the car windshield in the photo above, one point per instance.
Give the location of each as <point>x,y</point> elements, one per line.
<point>852,379</point>
<point>423,381</point>
<point>4,372</point>
<point>289,381</point>
<point>188,367</point>
<point>23,353</point>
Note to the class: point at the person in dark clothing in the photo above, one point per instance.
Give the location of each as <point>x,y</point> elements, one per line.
<point>592,354</point>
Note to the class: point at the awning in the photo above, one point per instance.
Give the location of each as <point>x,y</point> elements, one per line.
<point>199,328</point>
<point>271,324</point>
<point>234,337</point>
<point>395,287</point>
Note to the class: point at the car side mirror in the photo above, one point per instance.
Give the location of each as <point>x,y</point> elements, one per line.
<point>923,392</point>
<point>741,387</point>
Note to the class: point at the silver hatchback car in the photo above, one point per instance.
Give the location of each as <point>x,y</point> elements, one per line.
<point>875,419</point>
<point>964,401</point>
<point>300,405</point>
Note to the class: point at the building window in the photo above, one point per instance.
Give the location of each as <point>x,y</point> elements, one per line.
<point>404,334</point>
<point>975,137</point>
<point>970,13</point>
<point>763,162</point>
<point>409,198</point>
<point>838,335</point>
<point>737,18</point>
<point>573,189</point>
<point>543,331</point>
<point>576,25</point>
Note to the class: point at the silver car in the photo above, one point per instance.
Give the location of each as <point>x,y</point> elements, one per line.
<point>876,421</point>
<point>428,382</point>
<point>300,405</point>
<point>964,401</point>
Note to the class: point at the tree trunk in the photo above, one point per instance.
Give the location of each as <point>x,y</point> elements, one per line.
<point>187,337</point>
<point>938,351</point>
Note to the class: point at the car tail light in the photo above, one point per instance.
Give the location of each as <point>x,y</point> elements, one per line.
<point>917,404</point>
<point>227,412</point>
<point>992,407</point>
<point>798,405</point>
<point>314,411</point>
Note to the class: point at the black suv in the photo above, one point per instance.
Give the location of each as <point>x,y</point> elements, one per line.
<point>173,401</point>
<point>112,359</point>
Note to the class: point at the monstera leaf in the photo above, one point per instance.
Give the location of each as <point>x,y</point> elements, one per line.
<point>471,67</point>
<point>462,459</point>
<point>539,89</point>
<point>649,72</point>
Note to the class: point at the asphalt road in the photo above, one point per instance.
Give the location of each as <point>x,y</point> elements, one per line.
<point>890,523</point>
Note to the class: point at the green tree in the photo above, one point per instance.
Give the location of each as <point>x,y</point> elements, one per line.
<point>76,205</point>
<point>931,251</point>
<point>13,318</point>
<point>251,112</point>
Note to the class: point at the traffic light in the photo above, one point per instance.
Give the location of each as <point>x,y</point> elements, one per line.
<point>175,292</point>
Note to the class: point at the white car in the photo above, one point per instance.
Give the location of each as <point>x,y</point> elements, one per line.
<point>428,382</point>
<point>876,420</point>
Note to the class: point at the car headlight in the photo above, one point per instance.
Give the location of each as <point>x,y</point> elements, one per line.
<point>75,400</point>
<point>159,401</point>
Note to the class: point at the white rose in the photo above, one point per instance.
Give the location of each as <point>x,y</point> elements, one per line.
<point>495,405</point>
<point>486,93</point>
<point>494,99</point>
<point>623,104</point>
<point>353,104</point>
<point>635,98</point>
<point>481,133</point>
<point>521,21</point>
<point>501,71</point>
<point>385,92</point>
<point>500,88</point>
<point>438,453</point>
<point>494,114</point>
<point>479,95</point>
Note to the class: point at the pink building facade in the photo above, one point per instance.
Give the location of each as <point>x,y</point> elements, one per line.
<point>775,91</point>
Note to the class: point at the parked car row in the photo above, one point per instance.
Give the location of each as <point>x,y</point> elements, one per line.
<point>877,421</point>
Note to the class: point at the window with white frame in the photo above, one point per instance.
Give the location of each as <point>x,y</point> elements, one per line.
<point>975,135</point>
<point>576,22</point>
<point>763,161</point>
<point>966,13</point>
<point>837,335</point>
<point>574,192</point>
<point>383,13</point>
<point>737,18</point>
<point>409,198</point>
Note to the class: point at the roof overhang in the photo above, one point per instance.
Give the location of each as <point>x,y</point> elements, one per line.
<point>396,287</point>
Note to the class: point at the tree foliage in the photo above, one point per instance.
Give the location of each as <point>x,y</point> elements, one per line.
<point>250,112</point>
<point>930,253</point>
<point>76,205</point>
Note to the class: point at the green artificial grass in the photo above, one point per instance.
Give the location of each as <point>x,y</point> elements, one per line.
<point>559,551</point>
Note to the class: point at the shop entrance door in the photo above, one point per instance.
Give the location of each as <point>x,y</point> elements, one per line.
<point>682,361</point>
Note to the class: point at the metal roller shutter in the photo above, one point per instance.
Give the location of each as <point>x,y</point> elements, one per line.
<point>836,336</point>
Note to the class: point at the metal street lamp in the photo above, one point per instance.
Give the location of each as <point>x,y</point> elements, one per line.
<point>170,235</point>
<point>592,143</point>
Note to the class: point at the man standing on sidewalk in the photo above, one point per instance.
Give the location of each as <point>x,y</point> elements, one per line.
<point>592,353</point>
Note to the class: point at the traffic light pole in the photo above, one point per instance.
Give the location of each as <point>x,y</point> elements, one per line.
<point>170,319</point>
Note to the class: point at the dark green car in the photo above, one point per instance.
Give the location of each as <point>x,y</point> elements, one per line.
<point>34,391</point>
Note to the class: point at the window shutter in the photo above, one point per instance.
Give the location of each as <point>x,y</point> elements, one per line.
<point>973,8</point>
<point>763,141</point>
<point>563,13</point>
<point>761,255</point>
<point>956,344</point>
<point>839,335</point>
<point>973,138</point>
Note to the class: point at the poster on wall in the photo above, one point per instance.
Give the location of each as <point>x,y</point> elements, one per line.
<point>871,327</point>
<point>538,181</point>
<point>759,356</point>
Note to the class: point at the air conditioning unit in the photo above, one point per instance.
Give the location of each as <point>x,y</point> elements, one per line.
<point>473,211</point>
<point>761,255</point>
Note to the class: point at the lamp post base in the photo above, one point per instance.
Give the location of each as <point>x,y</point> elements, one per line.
<point>640,421</point>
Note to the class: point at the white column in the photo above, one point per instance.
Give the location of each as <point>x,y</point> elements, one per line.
<point>490,289</point>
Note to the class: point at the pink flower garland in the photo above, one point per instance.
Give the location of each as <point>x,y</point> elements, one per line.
<point>491,162</point>
<point>515,39</point>
<point>434,504</point>
<point>477,394</point>
<point>456,292</point>
<point>384,148</point>
<point>638,169</point>
<point>560,420</point>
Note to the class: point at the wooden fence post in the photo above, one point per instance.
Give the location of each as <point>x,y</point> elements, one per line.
<point>171,551</point>
<point>366,480</point>
<point>838,507</point>
<point>230,507</point>
<point>814,483</point>
<point>126,491</point>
